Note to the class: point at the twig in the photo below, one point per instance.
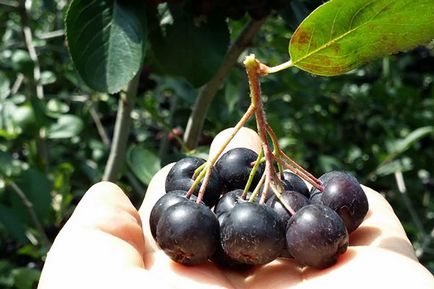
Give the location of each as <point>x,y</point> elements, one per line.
<point>17,84</point>
<point>99,127</point>
<point>28,38</point>
<point>29,206</point>
<point>206,95</point>
<point>116,158</point>
<point>106,141</point>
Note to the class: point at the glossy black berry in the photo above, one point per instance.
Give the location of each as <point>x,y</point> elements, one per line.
<point>292,182</point>
<point>167,200</point>
<point>188,233</point>
<point>228,201</point>
<point>180,178</point>
<point>325,178</point>
<point>316,236</point>
<point>234,168</point>
<point>252,234</point>
<point>344,194</point>
<point>295,200</point>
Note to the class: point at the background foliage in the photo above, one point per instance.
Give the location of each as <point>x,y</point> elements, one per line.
<point>55,131</point>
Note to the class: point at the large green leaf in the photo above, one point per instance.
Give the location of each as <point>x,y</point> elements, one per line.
<point>143,163</point>
<point>190,47</point>
<point>341,35</point>
<point>106,40</point>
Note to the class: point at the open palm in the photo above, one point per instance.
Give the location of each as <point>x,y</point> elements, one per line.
<point>107,244</point>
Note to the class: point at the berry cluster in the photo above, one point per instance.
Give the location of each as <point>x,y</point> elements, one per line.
<point>236,227</point>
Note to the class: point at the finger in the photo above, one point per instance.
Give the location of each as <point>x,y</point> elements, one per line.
<point>245,137</point>
<point>102,239</point>
<point>381,227</point>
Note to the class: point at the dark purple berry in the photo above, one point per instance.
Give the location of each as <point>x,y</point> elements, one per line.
<point>344,194</point>
<point>252,234</point>
<point>229,200</point>
<point>316,236</point>
<point>167,200</point>
<point>325,178</point>
<point>292,182</point>
<point>295,200</point>
<point>315,198</point>
<point>180,178</point>
<point>188,233</point>
<point>234,168</point>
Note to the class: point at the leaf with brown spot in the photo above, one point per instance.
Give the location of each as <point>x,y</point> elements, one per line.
<point>341,35</point>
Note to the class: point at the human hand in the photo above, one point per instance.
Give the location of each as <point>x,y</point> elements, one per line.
<point>107,244</point>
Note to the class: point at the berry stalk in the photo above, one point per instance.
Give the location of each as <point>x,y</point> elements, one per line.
<point>210,163</point>
<point>253,71</point>
<point>252,174</point>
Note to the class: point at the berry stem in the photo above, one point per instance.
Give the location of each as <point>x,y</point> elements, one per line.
<point>305,175</point>
<point>252,174</point>
<point>253,69</point>
<point>196,182</point>
<point>210,163</point>
<point>256,190</point>
<point>264,69</point>
<point>294,167</point>
<point>282,200</point>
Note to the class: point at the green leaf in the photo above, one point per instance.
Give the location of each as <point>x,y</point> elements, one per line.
<point>13,223</point>
<point>191,48</point>
<point>143,163</point>
<point>106,40</point>
<point>340,35</point>
<point>66,126</point>
<point>412,138</point>
<point>37,188</point>
<point>7,167</point>
<point>25,278</point>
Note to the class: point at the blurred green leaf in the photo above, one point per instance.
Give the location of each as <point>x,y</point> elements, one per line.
<point>413,137</point>
<point>14,223</point>
<point>399,165</point>
<point>25,278</point>
<point>47,77</point>
<point>4,86</point>
<point>341,35</point>
<point>106,40</point>
<point>191,48</point>
<point>22,62</point>
<point>67,126</point>
<point>37,188</point>
<point>6,164</point>
<point>143,163</point>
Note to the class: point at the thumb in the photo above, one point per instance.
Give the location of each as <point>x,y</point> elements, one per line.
<point>102,239</point>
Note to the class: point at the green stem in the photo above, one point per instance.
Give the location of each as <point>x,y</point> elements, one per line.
<point>268,70</point>
<point>118,148</point>
<point>252,175</point>
<point>256,190</point>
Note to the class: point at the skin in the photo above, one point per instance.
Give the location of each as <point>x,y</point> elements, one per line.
<point>107,244</point>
